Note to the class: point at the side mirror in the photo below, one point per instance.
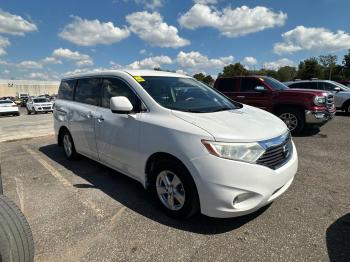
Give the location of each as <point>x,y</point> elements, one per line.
<point>120,105</point>
<point>337,89</point>
<point>260,89</point>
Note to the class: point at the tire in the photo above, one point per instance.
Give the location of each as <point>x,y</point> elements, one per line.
<point>16,240</point>
<point>346,107</point>
<point>293,118</point>
<point>68,146</point>
<point>28,111</point>
<point>187,188</point>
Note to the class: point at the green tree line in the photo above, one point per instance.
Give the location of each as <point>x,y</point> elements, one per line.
<point>322,67</point>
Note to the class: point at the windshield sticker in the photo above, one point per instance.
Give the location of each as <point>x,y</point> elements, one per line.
<point>139,79</point>
<point>262,79</point>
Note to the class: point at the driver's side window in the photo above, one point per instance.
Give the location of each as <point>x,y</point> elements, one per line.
<point>329,87</point>
<point>115,87</point>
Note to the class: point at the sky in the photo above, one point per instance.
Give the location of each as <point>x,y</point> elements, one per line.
<point>45,40</point>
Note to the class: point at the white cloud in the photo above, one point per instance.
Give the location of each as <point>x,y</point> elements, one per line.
<point>4,42</point>
<point>42,76</point>
<point>150,4</point>
<point>6,72</point>
<point>250,61</point>
<point>80,60</point>
<point>151,62</point>
<point>142,51</point>
<point>151,28</point>
<point>182,72</point>
<point>51,60</point>
<point>312,38</point>
<point>14,24</point>
<point>195,61</point>
<point>232,22</point>
<point>275,65</point>
<point>85,32</point>
<point>206,2</point>
<point>29,64</point>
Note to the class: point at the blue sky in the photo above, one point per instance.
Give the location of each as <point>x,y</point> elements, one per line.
<point>48,39</point>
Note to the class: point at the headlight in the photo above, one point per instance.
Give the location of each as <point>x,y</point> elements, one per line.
<point>247,152</point>
<point>320,100</point>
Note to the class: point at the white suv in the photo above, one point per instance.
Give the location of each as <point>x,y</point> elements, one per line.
<point>195,149</point>
<point>39,104</point>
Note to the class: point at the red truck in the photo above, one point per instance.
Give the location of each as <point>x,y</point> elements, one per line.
<point>296,107</point>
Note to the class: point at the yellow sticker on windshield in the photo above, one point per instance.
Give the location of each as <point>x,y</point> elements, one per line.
<point>139,79</point>
<point>262,79</point>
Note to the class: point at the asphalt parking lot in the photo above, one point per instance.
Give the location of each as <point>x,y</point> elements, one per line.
<point>83,211</point>
<point>25,126</point>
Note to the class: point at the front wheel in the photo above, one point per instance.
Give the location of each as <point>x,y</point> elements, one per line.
<point>293,118</point>
<point>174,189</point>
<point>347,108</point>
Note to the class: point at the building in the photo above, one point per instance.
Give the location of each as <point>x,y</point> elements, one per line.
<point>31,87</point>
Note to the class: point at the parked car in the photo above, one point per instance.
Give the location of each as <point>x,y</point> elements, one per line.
<point>345,82</point>
<point>39,105</point>
<point>297,108</point>
<point>341,92</point>
<point>8,107</point>
<point>16,239</point>
<point>192,147</point>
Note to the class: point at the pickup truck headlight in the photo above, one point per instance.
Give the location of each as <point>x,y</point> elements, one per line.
<point>320,100</point>
<point>246,152</point>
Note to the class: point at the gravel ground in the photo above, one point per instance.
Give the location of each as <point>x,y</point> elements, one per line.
<point>83,211</point>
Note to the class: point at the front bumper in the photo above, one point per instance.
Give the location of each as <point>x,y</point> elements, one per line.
<point>44,109</point>
<point>318,117</point>
<point>230,188</point>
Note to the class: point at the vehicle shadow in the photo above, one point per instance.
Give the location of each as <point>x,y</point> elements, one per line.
<point>131,194</point>
<point>338,240</point>
<point>309,131</point>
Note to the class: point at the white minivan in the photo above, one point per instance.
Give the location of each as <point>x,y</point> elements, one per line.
<point>192,147</point>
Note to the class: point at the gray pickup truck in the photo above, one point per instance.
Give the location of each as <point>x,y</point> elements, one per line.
<point>341,92</point>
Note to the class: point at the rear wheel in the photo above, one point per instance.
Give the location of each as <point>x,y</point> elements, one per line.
<point>174,189</point>
<point>293,118</point>
<point>16,240</point>
<point>28,111</point>
<point>68,145</point>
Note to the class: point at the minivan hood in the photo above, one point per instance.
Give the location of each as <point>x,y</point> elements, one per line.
<point>247,124</point>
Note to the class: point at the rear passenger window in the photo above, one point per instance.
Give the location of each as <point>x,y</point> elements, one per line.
<point>228,85</point>
<point>248,84</point>
<point>88,91</point>
<point>115,87</point>
<point>66,89</point>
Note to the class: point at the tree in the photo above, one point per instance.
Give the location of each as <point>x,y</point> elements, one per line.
<point>309,68</point>
<point>236,69</point>
<point>328,62</point>
<point>346,64</point>
<point>199,76</point>
<point>286,73</point>
<point>208,80</point>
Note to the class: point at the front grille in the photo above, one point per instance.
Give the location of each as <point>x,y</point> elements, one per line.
<point>330,102</point>
<point>46,107</point>
<point>277,155</point>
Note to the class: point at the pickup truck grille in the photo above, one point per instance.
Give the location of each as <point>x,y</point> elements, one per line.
<point>277,155</point>
<point>330,102</point>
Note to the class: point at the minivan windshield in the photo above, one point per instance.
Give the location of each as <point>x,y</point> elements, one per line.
<point>275,84</point>
<point>40,100</point>
<point>186,94</point>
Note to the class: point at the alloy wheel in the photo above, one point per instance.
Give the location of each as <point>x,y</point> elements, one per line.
<point>170,190</point>
<point>290,120</point>
<point>67,144</point>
